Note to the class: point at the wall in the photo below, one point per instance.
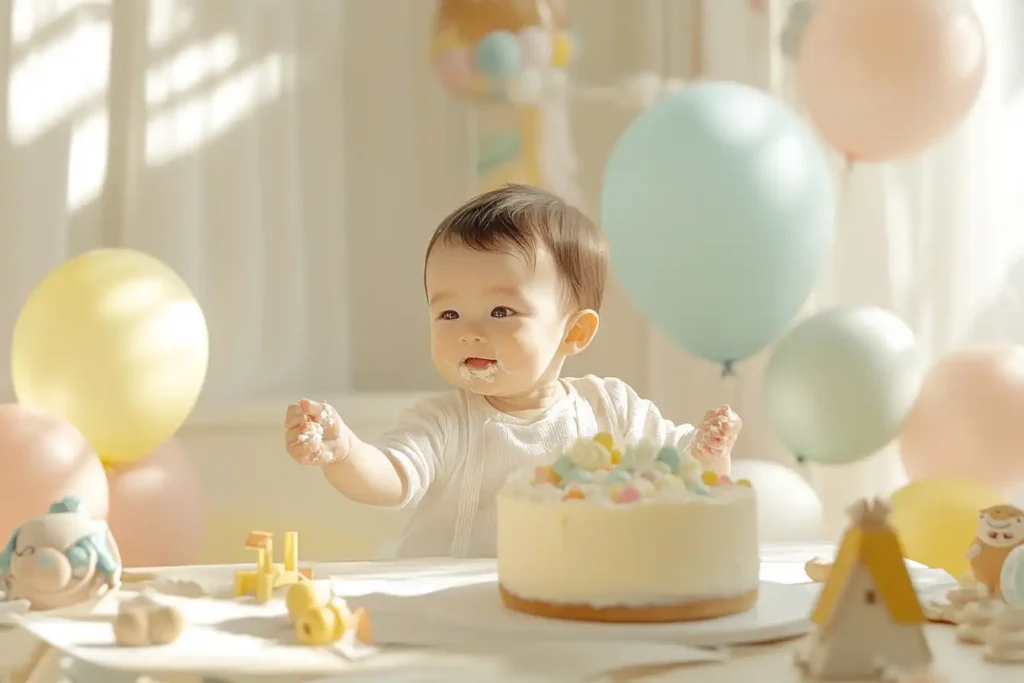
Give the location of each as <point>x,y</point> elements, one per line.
<point>251,482</point>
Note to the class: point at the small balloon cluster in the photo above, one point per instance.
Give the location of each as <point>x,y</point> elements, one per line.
<point>492,50</point>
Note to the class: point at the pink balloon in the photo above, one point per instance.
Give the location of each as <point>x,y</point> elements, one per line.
<point>156,509</point>
<point>537,46</point>
<point>883,79</point>
<point>969,419</point>
<point>42,459</point>
<point>456,68</point>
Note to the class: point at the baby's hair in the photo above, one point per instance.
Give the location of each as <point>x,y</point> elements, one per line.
<point>524,219</point>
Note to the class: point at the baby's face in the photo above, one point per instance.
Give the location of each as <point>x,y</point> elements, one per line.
<point>498,322</point>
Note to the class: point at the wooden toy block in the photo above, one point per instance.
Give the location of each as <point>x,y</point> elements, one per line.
<point>268,576</point>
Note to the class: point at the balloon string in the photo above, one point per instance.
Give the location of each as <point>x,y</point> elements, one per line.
<point>727,369</point>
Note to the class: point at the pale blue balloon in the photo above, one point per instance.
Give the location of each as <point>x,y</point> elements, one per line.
<point>719,207</point>
<point>498,55</point>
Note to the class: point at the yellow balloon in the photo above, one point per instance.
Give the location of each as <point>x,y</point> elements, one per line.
<point>114,342</point>
<point>937,518</point>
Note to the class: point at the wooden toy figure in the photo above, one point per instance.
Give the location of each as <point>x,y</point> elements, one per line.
<point>868,619</point>
<point>1000,531</point>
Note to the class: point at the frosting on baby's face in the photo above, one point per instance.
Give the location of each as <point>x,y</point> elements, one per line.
<point>499,326</point>
<point>594,471</point>
<point>1001,526</point>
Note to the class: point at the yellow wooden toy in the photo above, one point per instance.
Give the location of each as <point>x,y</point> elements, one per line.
<point>322,623</point>
<point>868,617</point>
<point>267,576</point>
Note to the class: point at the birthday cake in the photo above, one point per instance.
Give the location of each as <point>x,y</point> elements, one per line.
<point>643,535</point>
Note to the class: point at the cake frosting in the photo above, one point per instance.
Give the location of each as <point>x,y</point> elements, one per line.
<point>641,534</point>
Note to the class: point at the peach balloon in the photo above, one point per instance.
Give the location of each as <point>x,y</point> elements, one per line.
<point>882,79</point>
<point>969,419</point>
<point>156,509</point>
<point>42,459</point>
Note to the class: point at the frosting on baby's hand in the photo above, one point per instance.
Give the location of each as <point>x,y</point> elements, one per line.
<point>716,435</point>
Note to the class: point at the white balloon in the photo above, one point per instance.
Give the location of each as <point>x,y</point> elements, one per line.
<point>526,87</point>
<point>556,81</point>
<point>788,509</point>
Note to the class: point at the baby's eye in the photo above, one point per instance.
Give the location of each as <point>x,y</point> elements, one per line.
<point>448,315</point>
<point>502,312</point>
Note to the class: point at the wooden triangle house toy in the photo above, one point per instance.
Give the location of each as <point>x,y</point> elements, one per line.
<point>868,622</point>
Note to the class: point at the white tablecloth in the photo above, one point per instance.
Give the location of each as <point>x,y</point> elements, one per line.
<point>765,663</point>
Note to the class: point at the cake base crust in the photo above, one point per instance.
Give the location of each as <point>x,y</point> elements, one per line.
<point>711,608</point>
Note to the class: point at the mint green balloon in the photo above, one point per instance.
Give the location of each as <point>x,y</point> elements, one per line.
<point>839,385</point>
<point>719,206</point>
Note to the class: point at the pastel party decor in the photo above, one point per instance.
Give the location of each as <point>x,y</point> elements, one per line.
<point>937,519</point>
<point>788,508</point>
<point>840,385</point>
<point>719,206</point>
<point>43,459</point>
<point>512,52</point>
<point>968,420</point>
<point>882,79</point>
<point>504,38</point>
<point>114,342</point>
<point>498,55</point>
<point>536,47</point>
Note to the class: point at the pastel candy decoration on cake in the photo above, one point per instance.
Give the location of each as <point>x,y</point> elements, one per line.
<point>596,471</point>
<point>60,559</point>
<point>507,49</point>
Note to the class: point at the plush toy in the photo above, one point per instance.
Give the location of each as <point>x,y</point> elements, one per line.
<point>60,559</point>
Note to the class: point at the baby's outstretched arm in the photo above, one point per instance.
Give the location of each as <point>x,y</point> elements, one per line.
<point>316,435</point>
<point>394,471</point>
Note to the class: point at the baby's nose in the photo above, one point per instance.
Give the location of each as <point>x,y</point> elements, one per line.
<point>473,337</point>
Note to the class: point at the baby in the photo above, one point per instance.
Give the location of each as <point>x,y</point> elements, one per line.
<point>514,281</point>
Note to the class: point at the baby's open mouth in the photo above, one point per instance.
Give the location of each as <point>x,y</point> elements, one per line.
<point>479,363</point>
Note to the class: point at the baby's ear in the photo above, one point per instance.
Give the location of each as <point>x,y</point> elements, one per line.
<point>580,332</point>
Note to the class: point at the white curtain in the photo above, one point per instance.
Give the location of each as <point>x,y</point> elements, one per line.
<point>289,158</point>
<point>937,239</point>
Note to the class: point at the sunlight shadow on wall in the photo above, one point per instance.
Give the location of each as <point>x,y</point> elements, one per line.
<point>197,120</point>
<point>192,67</point>
<point>58,78</point>
<point>87,160</point>
<point>168,20</point>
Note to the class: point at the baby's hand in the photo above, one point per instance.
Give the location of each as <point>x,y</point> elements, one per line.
<point>315,434</point>
<point>717,434</point>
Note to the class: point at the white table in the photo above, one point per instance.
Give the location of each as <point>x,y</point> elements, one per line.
<point>25,659</point>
